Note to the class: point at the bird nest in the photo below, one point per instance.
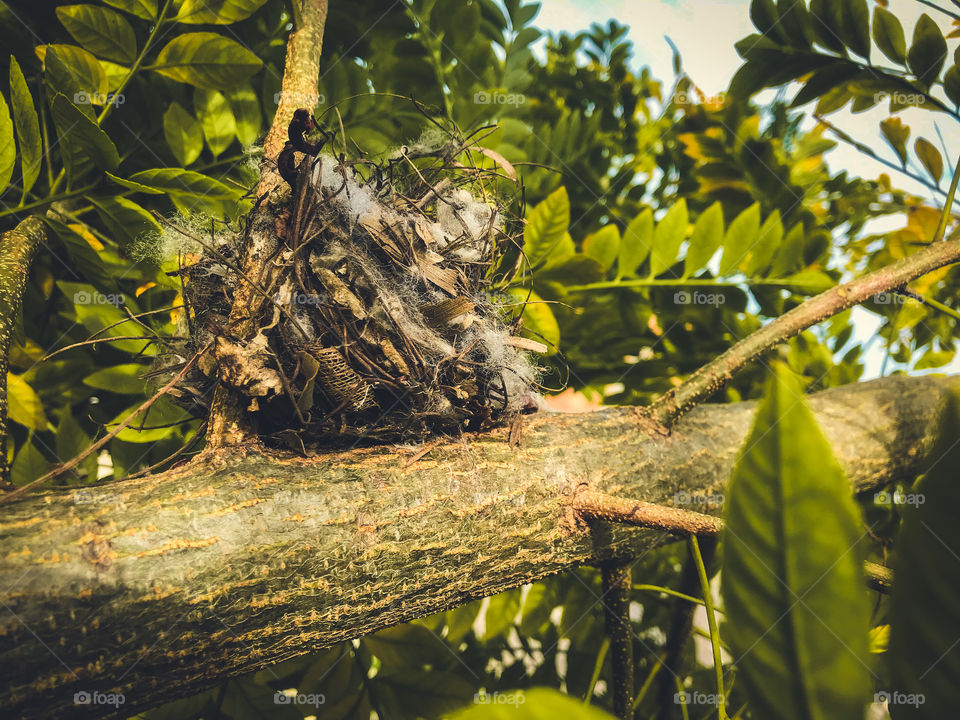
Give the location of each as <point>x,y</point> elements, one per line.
<point>377,315</point>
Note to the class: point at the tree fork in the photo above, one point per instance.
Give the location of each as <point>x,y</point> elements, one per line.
<point>162,586</point>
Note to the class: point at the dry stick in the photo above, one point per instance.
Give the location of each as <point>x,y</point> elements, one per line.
<point>599,506</point>
<point>116,338</point>
<point>617,584</point>
<point>125,423</point>
<point>719,371</point>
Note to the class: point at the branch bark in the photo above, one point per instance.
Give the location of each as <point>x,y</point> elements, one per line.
<point>17,248</point>
<point>162,586</point>
<point>227,423</point>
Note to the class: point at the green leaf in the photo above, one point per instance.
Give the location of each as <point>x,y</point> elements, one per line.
<point>160,423</point>
<point>763,14</point>
<point>404,645</point>
<point>103,32</point>
<point>951,84</point>
<point>739,239</point>
<point>27,125</point>
<point>789,257</point>
<point>537,320</point>
<point>146,9</point>
<point>8,147</point>
<point>77,74</point>
<point>668,237</point>
<point>856,26</point>
<point>189,190</point>
<point>827,23</point>
<point>216,119</point>
<point>206,60</point>
<point>410,694</point>
<point>23,404</point>
<point>216,12</point>
<point>928,51</point>
<point>544,237</point>
<point>82,143</point>
<point>896,134</point>
<point>29,465</point>
<point>706,238</point>
<point>797,615</point>
<point>888,35</point>
<point>246,110</point>
<point>125,379</point>
<point>535,704</point>
<point>636,242</point>
<point>924,655</point>
<point>929,157</point>
<point>603,245</point>
<point>127,221</point>
<point>759,256</point>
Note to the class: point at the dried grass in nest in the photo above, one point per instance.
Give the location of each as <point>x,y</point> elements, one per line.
<point>376,318</point>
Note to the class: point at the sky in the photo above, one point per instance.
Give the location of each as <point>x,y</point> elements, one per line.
<point>704,31</point>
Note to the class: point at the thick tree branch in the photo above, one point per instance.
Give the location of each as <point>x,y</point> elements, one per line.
<point>17,248</point>
<point>162,586</point>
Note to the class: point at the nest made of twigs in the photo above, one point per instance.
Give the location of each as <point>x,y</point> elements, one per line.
<point>377,317</point>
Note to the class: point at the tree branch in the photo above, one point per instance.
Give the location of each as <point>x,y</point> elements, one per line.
<point>718,372</point>
<point>17,248</point>
<point>227,424</point>
<point>165,585</point>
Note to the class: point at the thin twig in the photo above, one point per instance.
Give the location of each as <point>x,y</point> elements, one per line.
<point>718,372</point>
<point>617,584</point>
<point>70,464</point>
<point>599,506</point>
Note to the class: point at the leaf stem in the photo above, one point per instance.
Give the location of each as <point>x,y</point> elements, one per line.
<point>712,624</point>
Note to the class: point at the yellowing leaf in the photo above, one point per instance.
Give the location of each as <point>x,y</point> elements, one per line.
<point>24,407</point>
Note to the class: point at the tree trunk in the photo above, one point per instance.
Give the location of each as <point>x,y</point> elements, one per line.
<point>162,586</point>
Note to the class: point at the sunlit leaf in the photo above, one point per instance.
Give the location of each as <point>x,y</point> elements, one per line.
<point>797,615</point>
<point>216,119</point>
<point>101,31</point>
<point>603,245</point>
<point>706,238</point>
<point>24,406</point>
<point>8,146</point>
<point>668,237</point>
<point>146,9</point>
<point>206,60</point>
<point>545,234</point>
<point>740,238</point>
<point>27,125</point>
<point>217,12</point>
<point>635,244</point>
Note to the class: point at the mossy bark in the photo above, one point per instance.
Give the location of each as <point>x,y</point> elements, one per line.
<point>17,247</point>
<point>162,586</point>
